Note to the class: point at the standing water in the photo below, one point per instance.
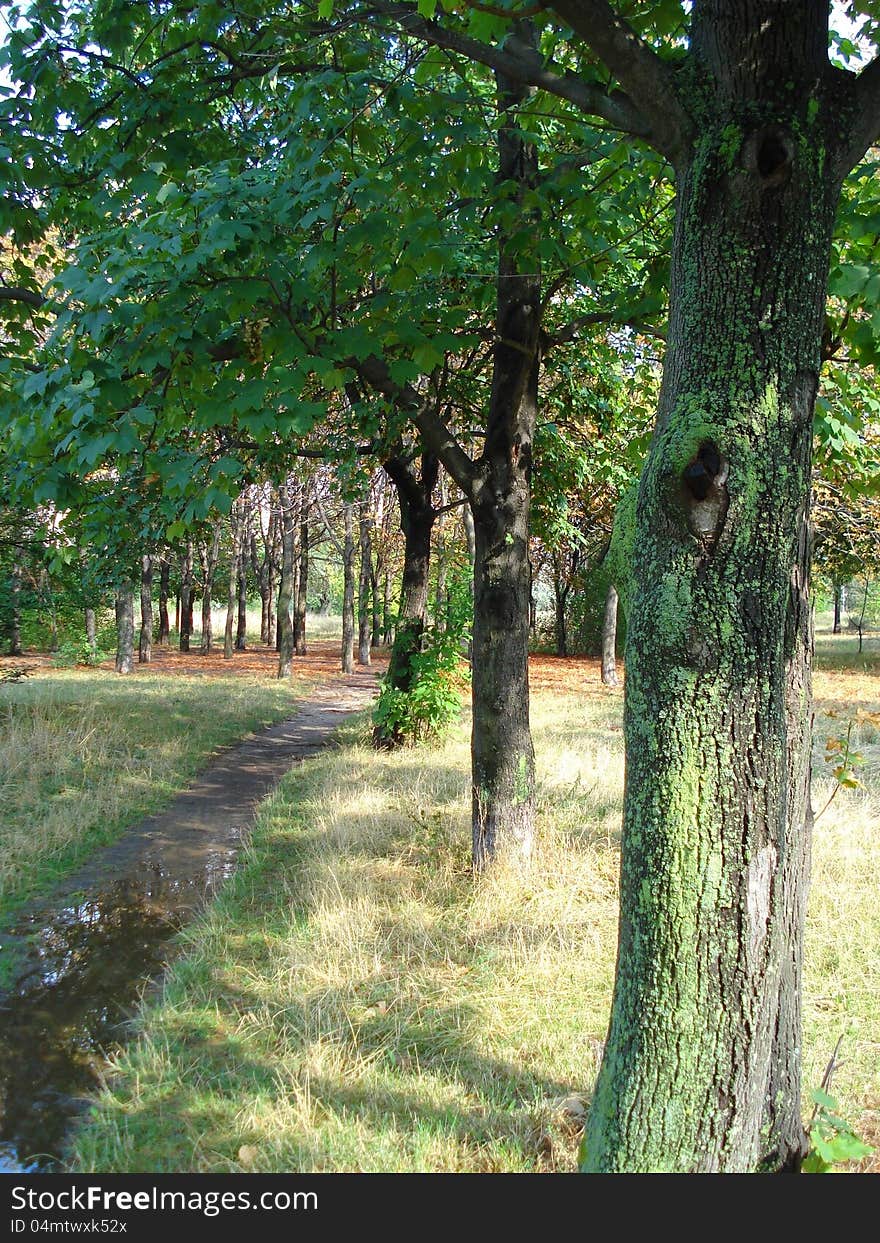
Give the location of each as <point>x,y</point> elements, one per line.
<point>88,953</point>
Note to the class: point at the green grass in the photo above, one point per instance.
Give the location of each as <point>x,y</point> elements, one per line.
<point>355,1001</point>
<point>85,754</point>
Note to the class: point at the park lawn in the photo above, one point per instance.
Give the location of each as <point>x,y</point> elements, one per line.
<point>86,753</point>
<point>354,1000</point>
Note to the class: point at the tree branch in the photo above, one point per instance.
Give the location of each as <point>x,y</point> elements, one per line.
<point>638,69</point>
<point>437,437</point>
<point>523,64</point>
<point>16,293</point>
<point>866,127</point>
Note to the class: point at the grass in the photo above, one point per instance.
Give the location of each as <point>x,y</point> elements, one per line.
<point>84,754</point>
<point>355,1001</point>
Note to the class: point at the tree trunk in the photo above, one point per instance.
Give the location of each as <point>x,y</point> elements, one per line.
<point>209,555</point>
<point>503,761</point>
<point>15,611</point>
<point>348,593</point>
<point>145,640</point>
<point>560,598</point>
<point>386,609</point>
<point>609,638</point>
<point>302,588</point>
<point>364,587</point>
<point>836,627</point>
<point>232,589</point>
<point>470,539</point>
<point>164,576</point>
<point>91,632</point>
<point>186,587</point>
<point>417,516</point>
<point>286,590</point>
<point>701,1070</point>
<point>241,621</point>
<point>124,601</point>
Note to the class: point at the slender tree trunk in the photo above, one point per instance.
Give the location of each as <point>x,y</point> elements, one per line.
<point>440,594</point>
<point>302,587</point>
<point>209,555</point>
<point>15,611</point>
<point>417,516</point>
<point>232,589</point>
<point>91,632</point>
<point>241,623</point>
<point>348,562</point>
<point>364,587</point>
<point>164,577</point>
<point>503,761</point>
<point>386,608</point>
<point>177,610</point>
<point>609,638</point>
<point>186,587</point>
<point>836,627</point>
<point>286,591</point>
<point>560,598</point>
<point>701,1070</point>
<point>124,629</point>
<point>145,640</point>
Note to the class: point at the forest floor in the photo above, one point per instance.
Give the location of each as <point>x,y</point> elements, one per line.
<point>354,1000</point>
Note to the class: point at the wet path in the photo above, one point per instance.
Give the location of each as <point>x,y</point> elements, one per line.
<point>94,943</point>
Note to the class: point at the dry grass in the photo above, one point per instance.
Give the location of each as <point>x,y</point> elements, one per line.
<point>353,1002</point>
<point>83,754</point>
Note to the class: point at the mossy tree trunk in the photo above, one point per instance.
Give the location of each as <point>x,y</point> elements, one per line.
<point>701,1070</point>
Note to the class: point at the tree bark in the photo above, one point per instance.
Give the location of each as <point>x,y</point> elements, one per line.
<point>701,1070</point>
<point>503,761</point>
<point>348,562</point>
<point>560,599</point>
<point>364,586</point>
<point>836,626</point>
<point>15,611</point>
<point>302,587</point>
<point>145,640</point>
<point>209,555</point>
<point>186,591</point>
<point>417,516</point>
<point>91,632</point>
<point>164,577</point>
<point>241,622</point>
<point>232,589</point>
<point>286,590</point>
<point>124,602</point>
<point>609,638</point>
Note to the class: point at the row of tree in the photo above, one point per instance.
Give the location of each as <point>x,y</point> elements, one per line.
<point>438,235</point>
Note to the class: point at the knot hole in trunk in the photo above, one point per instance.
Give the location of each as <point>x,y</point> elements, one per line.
<point>768,153</point>
<point>704,480</point>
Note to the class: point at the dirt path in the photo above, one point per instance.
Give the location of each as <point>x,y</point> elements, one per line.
<point>91,946</point>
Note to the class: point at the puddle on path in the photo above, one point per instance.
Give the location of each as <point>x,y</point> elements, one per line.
<point>90,952</point>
